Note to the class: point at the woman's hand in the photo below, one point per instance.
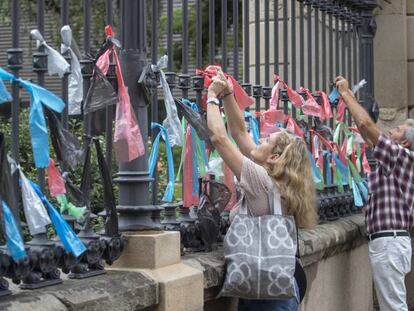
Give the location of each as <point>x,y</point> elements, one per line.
<point>219,86</point>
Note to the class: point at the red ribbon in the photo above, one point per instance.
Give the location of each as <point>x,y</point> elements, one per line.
<point>55,181</point>
<point>311,107</point>
<point>242,99</point>
<point>326,106</point>
<point>340,111</point>
<point>294,96</point>
<point>293,127</point>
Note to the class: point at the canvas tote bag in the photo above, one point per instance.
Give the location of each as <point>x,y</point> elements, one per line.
<point>260,254</point>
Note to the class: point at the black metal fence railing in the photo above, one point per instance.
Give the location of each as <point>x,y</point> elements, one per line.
<point>305,42</point>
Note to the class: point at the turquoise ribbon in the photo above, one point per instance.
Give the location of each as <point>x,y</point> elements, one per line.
<point>14,240</point>
<point>254,127</point>
<point>169,191</point>
<point>70,241</point>
<point>37,123</point>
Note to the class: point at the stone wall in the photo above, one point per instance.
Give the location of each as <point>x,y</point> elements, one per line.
<point>335,257</point>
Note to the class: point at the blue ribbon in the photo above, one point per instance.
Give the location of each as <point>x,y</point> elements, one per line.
<point>254,126</point>
<point>14,240</point>
<point>333,95</point>
<point>70,241</point>
<point>357,195</point>
<point>316,173</point>
<point>169,191</point>
<point>4,94</point>
<point>343,169</point>
<point>37,123</point>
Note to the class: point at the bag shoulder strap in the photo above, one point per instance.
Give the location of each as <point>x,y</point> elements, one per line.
<point>276,209</point>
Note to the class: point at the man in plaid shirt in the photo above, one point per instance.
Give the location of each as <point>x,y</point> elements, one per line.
<point>389,214</point>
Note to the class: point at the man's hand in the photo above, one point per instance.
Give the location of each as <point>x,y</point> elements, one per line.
<point>219,85</point>
<point>342,86</point>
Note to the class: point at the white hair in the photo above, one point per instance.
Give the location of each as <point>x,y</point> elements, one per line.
<point>409,132</point>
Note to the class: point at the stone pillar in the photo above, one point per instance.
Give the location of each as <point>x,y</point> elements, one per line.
<point>390,62</point>
<point>157,254</point>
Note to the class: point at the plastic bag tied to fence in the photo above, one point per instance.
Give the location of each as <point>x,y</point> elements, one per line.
<point>56,63</point>
<point>128,141</point>
<point>67,236</point>
<point>14,239</point>
<point>171,123</point>
<point>37,123</point>
<point>75,88</point>
<point>67,147</point>
<point>197,121</point>
<point>169,191</point>
<point>37,217</point>
<point>101,94</point>
<point>242,99</point>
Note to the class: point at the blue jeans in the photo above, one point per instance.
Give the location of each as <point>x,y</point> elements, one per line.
<point>291,304</point>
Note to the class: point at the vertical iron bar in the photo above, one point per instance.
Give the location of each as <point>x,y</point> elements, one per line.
<point>293,49</point>
<point>293,41</point>
<point>135,212</point>
<point>170,34</point>
<point>331,48</point>
<point>109,110</point>
<point>302,43</point>
<point>211,24</point>
<point>15,85</point>
<point>224,35</point>
<point>267,48</point>
<point>199,55</point>
<point>257,49</point>
<point>343,45</point>
<point>317,47</point>
<point>267,44</point>
<point>65,80</point>
<point>349,54</point>
<point>185,44</point>
<point>236,39</point>
<point>355,52</point>
<point>276,36</point>
<point>337,47</point>
<point>323,49</point>
<point>41,76</point>
<point>285,42</point>
<point>246,43</point>
<point>154,106</point>
<point>310,60</point>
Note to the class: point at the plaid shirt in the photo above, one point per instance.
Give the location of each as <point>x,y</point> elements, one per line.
<point>391,188</point>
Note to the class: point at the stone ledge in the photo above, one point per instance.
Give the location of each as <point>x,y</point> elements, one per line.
<point>326,240</point>
<point>113,291</point>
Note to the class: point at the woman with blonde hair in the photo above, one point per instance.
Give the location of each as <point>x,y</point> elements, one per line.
<point>280,162</point>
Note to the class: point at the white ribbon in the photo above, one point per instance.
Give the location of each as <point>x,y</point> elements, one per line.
<point>75,78</point>
<point>56,64</point>
<point>172,122</point>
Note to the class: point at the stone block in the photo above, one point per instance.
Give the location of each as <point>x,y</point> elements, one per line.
<point>121,291</point>
<point>114,291</point>
<point>410,7</point>
<point>391,117</point>
<point>181,288</point>
<point>150,250</point>
<point>410,66</point>
<point>32,301</point>
<point>410,37</point>
<point>393,7</point>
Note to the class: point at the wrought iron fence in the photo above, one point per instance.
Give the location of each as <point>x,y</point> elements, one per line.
<point>307,43</point>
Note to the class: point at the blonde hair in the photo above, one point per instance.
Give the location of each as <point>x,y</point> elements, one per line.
<point>292,173</point>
